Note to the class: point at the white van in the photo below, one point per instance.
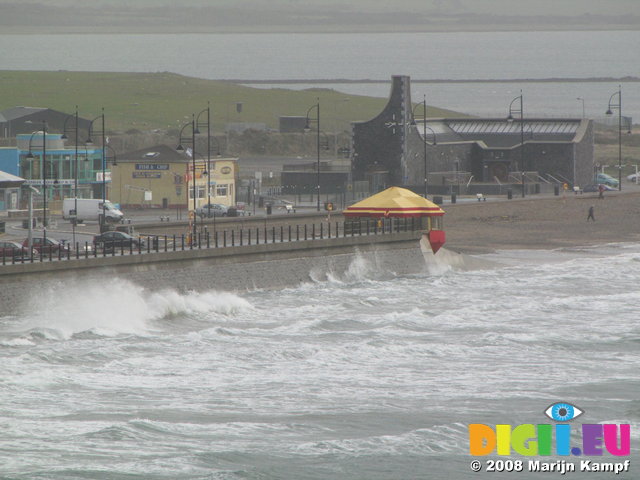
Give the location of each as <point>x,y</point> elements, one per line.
<point>90,209</point>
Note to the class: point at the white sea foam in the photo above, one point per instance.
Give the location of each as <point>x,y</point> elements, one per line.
<point>117,306</point>
<point>346,372</point>
<point>361,267</point>
<point>16,342</point>
<point>446,260</point>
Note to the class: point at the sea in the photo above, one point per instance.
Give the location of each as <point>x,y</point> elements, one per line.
<point>367,374</point>
<point>478,73</point>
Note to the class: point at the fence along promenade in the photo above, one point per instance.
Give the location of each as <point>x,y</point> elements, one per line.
<point>227,237</point>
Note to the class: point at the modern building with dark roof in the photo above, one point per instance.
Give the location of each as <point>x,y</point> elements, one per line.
<point>19,120</point>
<point>469,155</point>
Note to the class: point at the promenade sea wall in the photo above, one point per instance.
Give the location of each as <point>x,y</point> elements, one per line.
<point>472,228</point>
<point>266,266</point>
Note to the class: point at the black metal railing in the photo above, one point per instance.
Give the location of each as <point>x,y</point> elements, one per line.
<point>221,238</point>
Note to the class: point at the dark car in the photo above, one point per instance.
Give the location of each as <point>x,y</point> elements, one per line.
<point>52,246</point>
<point>10,249</point>
<point>596,188</point>
<point>114,239</point>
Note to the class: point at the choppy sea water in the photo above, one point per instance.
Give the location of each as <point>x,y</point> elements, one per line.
<point>367,375</point>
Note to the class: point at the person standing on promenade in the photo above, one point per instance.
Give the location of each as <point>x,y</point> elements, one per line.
<point>601,191</point>
<point>590,215</point>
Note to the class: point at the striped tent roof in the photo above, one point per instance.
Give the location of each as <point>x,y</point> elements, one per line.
<point>394,202</point>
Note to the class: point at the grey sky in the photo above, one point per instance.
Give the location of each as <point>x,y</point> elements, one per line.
<point>506,7</point>
<point>316,15</point>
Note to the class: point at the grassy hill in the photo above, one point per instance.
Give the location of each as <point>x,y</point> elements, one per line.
<point>165,101</point>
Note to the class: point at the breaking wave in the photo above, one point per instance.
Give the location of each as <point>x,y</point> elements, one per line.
<point>114,307</point>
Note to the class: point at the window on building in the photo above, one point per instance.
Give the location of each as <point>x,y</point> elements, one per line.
<point>201,191</point>
<point>25,167</point>
<point>66,167</point>
<point>53,167</point>
<point>222,190</point>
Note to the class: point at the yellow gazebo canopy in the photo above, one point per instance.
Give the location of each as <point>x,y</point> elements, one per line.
<point>394,202</point>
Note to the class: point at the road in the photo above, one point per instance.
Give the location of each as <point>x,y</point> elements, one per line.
<point>63,230</point>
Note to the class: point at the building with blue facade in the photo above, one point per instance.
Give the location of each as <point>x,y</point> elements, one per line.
<point>67,169</point>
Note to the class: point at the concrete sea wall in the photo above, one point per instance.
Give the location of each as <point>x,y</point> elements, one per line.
<point>273,265</point>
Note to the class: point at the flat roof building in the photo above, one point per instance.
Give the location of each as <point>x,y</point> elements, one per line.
<point>476,154</point>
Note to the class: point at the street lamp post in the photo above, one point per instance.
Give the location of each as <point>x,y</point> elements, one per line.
<point>520,110</point>
<point>433,144</point>
<point>114,159</point>
<point>424,140</point>
<point>208,171</point>
<point>44,181</point>
<point>180,147</point>
<point>74,219</point>
<point>306,129</point>
<point>102,157</point>
<point>618,106</point>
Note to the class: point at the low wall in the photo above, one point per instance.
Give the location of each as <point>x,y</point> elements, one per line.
<point>273,265</point>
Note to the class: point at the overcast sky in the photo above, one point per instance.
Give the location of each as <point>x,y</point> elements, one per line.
<point>507,7</point>
<point>317,15</point>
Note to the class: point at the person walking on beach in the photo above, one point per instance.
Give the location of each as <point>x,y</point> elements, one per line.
<point>590,216</point>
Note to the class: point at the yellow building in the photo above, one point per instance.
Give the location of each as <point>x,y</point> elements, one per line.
<point>223,180</point>
<point>161,177</point>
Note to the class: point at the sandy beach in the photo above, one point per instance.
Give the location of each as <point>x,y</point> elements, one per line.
<point>543,222</point>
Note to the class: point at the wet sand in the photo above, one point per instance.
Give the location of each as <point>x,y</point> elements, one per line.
<point>542,222</point>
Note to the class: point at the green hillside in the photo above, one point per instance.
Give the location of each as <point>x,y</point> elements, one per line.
<point>165,101</point>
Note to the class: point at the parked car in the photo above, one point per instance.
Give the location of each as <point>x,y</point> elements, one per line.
<point>110,240</point>
<point>241,209</point>
<point>15,250</point>
<point>606,180</point>
<point>52,246</point>
<point>596,188</point>
<point>634,177</point>
<point>212,210</point>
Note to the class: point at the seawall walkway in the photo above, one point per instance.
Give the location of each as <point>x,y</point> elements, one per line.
<point>276,260</point>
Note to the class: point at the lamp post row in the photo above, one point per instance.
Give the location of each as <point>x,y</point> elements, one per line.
<point>89,141</point>
<point>196,123</point>
<point>613,105</point>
